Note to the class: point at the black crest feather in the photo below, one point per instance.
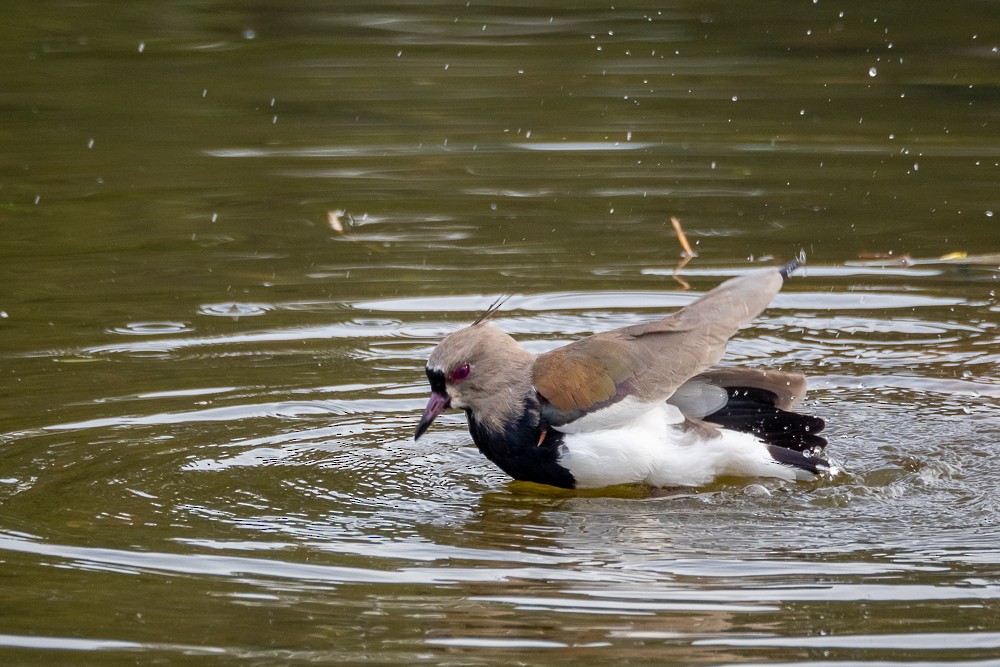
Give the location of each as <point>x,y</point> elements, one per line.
<point>493,307</point>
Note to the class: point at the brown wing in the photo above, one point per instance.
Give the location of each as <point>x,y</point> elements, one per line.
<point>650,361</point>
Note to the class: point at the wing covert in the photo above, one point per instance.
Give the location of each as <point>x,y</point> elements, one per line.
<point>648,362</point>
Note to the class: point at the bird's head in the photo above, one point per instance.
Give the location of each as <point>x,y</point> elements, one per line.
<point>469,369</point>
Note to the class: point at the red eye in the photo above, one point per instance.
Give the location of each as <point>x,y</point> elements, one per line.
<point>460,373</point>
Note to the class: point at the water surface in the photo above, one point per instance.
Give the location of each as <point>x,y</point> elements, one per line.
<point>206,450</point>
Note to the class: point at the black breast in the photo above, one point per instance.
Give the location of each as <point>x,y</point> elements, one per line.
<point>515,449</point>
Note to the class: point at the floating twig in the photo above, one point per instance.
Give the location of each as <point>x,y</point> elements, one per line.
<point>686,256</point>
<point>682,238</point>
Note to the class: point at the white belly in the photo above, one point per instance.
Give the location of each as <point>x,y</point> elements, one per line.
<point>655,449</point>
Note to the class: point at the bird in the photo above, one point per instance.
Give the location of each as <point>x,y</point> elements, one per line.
<point>643,404</point>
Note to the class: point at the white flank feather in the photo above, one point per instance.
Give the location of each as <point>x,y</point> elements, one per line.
<point>653,449</point>
<point>621,415</point>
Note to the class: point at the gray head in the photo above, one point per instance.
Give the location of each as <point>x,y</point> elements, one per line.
<point>471,369</point>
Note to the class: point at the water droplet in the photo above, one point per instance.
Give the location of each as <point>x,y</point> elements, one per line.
<point>235,309</point>
<point>872,71</point>
<point>249,33</point>
<point>989,214</point>
<point>142,46</point>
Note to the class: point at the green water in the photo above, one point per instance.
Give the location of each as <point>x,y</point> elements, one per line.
<point>209,394</point>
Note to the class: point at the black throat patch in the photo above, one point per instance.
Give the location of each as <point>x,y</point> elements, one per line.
<point>517,451</point>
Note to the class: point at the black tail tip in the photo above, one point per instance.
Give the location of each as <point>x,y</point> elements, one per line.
<point>799,260</point>
<point>816,465</point>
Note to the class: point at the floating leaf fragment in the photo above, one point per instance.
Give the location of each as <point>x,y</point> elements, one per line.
<point>333,219</point>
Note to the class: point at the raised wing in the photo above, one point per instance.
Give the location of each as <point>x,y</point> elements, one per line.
<point>622,372</point>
